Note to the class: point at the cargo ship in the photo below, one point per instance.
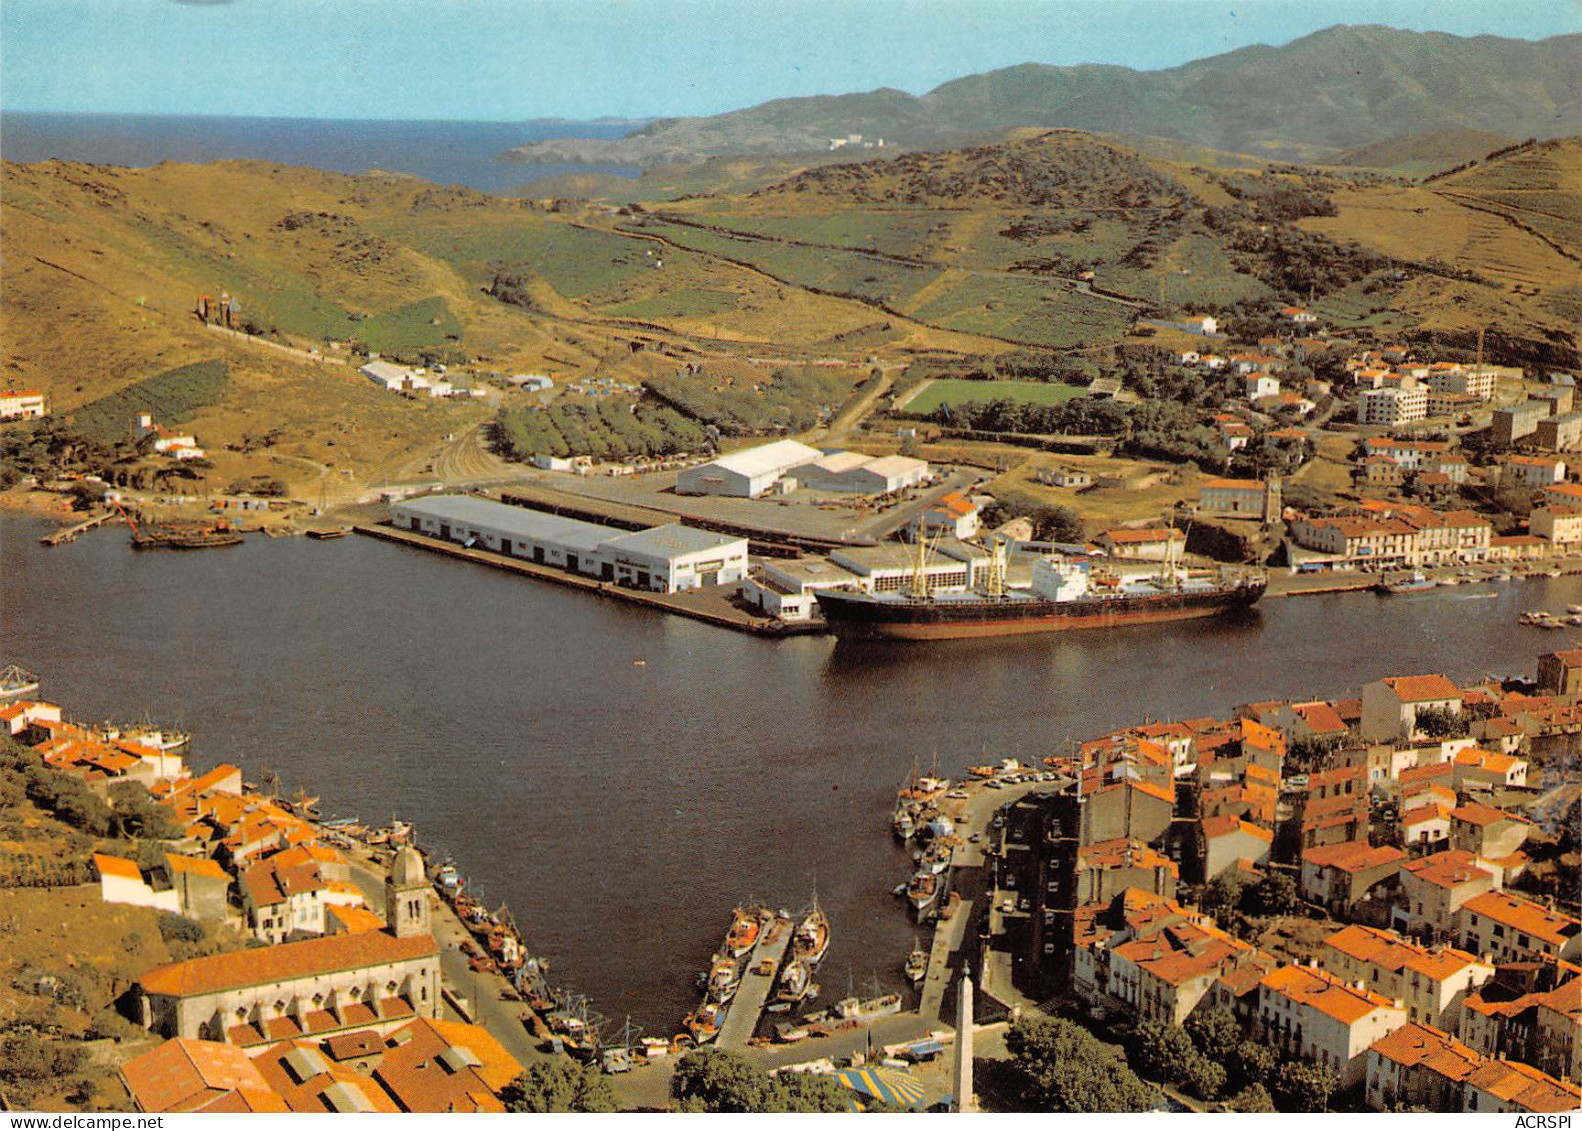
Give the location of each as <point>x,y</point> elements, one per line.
<point>1066,593</point>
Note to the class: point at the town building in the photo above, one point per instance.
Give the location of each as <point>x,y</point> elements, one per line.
<point>1342,875</point>
<point>1433,890</point>
<point>1514,929</point>
<point>1420,1066</point>
<point>1559,525</point>
<point>1561,672</point>
<point>1533,471</point>
<point>1431,982</point>
<point>1461,380</point>
<point>1311,1014</point>
<point>1559,433</point>
<point>1253,498</point>
<point>1390,706</point>
<point>664,559</point>
<point>1514,423</point>
<point>954,516</point>
<point>1230,842</point>
<point>1155,544</point>
<point>189,1075</point>
<point>1391,406</point>
<point>23,404</point>
<point>747,473</point>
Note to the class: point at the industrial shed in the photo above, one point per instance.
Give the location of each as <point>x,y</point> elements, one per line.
<point>664,559</point>
<point>745,474</point>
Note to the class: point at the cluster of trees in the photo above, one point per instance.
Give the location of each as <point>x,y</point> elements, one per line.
<point>1231,898</point>
<point>1056,1065</point>
<point>559,1085</point>
<point>1051,522</point>
<point>263,486</point>
<point>1280,200</point>
<point>1210,1059</point>
<point>47,447</point>
<point>605,430</point>
<point>790,400</point>
<point>128,812</point>
<point>719,1080</point>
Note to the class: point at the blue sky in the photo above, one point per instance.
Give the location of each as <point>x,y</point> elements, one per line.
<point>514,59</point>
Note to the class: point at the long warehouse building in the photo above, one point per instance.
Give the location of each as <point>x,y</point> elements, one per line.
<point>664,559</point>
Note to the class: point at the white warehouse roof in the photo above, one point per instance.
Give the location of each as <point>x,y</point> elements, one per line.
<point>671,540</point>
<point>767,459</point>
<point>513,522</point>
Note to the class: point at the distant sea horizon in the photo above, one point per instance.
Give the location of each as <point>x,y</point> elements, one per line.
<point>443,152</point>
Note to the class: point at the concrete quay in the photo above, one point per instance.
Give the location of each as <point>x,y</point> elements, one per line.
<point>711,608</point>
<point>741,1019</point>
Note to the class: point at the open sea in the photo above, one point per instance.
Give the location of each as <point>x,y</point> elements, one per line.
<point>444,152</point>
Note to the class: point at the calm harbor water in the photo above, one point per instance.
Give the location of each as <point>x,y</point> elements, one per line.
<point>623,810</point>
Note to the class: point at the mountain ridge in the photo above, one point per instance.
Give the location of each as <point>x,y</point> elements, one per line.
<point>1334,90</point>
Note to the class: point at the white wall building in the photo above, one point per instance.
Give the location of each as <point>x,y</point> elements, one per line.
<point>22,404</point>
<point>664,559</point>
<point>748,473</point>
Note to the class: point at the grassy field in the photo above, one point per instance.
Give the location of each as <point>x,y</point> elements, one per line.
<point>943,391</point>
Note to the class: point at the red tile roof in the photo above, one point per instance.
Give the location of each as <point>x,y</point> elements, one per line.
<point>285,962</point>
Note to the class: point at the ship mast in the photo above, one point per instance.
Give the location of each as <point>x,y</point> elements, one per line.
<point>997,557</point>
<point>923,549</point>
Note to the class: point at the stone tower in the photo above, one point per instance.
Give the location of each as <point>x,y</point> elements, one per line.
<point>406,895</point>
<point>1273,501</point>
<point>966,1101</point>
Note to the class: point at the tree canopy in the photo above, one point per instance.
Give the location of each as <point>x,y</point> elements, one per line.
<point>1058,1066</point>
<point>559,1086</point>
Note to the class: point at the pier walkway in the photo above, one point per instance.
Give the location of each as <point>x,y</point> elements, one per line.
<point>69,534</point>
<point>741,1019</point>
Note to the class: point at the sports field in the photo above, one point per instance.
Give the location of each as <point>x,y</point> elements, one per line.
<point>953,391</point>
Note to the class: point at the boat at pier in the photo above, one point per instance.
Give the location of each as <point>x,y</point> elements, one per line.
<point>723,978</point>
<point>1067,593</point>
<point>922,892</point>
<point>811,941</point>
<point>795,985</point>
<point>15,683</point>
<point>745,928</point>
<point>1415,582</point>
<point>865,1009</point>
<point>916,965</point>
<point>145,733</point>
<point>703,1025</point>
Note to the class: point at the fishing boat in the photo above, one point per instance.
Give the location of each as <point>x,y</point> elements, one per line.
<point>902,823</point>
<point>723,978</point>
<point>811,941</point>
<point>922,892</point>
<point>745,928</point>
<point>1416,582</point>
<point>145,733</point>
<point>703,1025</point>
<point>796,980</point>
<point>934,859</point>
<point>866,1009</point>
<point>15,683</point>
<point>916,964</point>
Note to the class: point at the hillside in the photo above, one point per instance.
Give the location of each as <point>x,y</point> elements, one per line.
<point>1328,92</point>
<point>995,240</point>
<point>1418,154</point>
<point>103,265</point>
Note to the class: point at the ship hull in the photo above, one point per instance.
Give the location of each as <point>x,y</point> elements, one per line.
<point>859,616</point>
